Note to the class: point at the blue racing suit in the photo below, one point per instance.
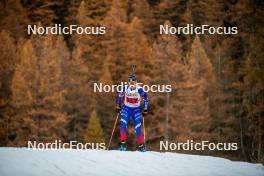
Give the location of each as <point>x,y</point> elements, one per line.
<point>130,100</point>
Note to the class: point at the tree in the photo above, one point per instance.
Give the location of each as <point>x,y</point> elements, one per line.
<point>8,60</point>
<point>93,12</point>
<point>251,85</point>
<point>195,93</point>
<point>13,18</point>
<point>141,9</point>
<point>171,70</point>
<point>200,65</point>
<point>78,99</point>
<point>37,89</point>
<point>94,131</point>
<point>42,11</point>
<point>85,67</point>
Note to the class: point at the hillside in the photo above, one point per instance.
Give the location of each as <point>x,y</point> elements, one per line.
<point>24,162</point>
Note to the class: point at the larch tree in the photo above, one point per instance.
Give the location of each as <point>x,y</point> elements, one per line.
<point>167,53</point>
<point>197,95</point>
<point>24,92</point>
<point>250,85</point>
<point>86,66</point>
<point>13,18</point>
<point>142,10</point>
<point>37,89</point>
<point>94,131</point>
<point>200,65</point>
<point>41,11</point>
<point>78,98</point>
<point>8,60</point>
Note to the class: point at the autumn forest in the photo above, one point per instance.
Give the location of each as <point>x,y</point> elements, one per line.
<point>46,81</point>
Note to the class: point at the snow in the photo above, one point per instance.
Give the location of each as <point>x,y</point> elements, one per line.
<point>25,162</point>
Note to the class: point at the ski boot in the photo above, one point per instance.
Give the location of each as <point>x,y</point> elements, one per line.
<point>123,146</point>
<point>141,148</point>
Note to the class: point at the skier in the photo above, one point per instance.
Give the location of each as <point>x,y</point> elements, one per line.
<point>129,105</point>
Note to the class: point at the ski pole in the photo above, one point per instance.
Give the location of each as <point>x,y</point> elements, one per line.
<point>144,131</point>
<point>113,130</point>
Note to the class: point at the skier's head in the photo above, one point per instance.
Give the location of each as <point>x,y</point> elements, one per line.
<point>132,81</point>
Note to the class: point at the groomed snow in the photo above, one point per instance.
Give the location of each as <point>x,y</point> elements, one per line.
<point>24,162</point>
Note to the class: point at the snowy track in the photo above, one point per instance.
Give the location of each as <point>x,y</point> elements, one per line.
<point>24,162</point>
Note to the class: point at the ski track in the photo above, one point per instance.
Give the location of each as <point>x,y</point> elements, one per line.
<point>24,162</point>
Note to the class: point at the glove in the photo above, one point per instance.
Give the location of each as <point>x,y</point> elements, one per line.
<point>118,109</point>
<point>145,112</point>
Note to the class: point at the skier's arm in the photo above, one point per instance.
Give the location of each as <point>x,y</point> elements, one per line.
<point>144,95</point>
<point>120,98</point>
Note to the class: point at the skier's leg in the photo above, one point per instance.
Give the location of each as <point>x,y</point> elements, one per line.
<point>125,114</point>
<point>137,118</point>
